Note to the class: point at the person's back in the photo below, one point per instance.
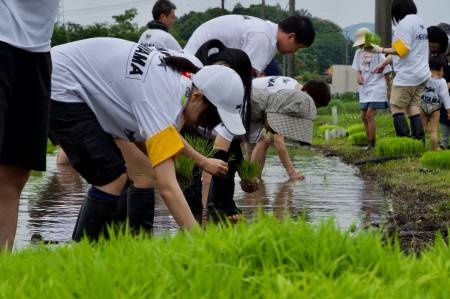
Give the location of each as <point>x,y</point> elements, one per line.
<point>411,69</point>
<point>253,35</point>
<point>275,83</point>
<point>157,33</point>
<point>144,78</point>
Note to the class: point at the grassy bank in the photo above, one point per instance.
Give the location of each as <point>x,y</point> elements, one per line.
<point>420,196</point>
<point>263,259</point>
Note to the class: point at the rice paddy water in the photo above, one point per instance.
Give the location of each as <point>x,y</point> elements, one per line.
<point>51,200</point>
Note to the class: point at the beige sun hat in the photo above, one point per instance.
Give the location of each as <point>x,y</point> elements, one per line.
<point>360,36</point>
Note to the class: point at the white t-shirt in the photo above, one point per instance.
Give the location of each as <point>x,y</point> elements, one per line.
<point>159,39</point>
<point>133,94</point>
<point>412,69</point>
<point>274,83</point>
<point>28,24</point>
<point>436,92</point>
<point>253,35</point>
<point>374,88</point>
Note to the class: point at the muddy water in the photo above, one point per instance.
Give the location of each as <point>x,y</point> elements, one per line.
<point>51,200</point>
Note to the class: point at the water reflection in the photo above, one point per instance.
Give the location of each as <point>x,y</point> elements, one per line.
<point>51,200</point>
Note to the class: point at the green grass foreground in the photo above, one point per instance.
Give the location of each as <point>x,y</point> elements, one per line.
<point>262,259</point>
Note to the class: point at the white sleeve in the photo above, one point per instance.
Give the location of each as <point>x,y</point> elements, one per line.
<point>444,95</point>
<point>356,64</point>
<point>222,131</point>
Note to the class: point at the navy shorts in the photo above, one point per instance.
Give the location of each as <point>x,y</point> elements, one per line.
<point>373,105</point>
<point>24,107</point>
<point>91,151</point>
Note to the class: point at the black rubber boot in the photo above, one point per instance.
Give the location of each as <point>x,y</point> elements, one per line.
<point>94,218</point>
<point>193,195</point>
<point>417,128</point>
<point>141,209</point>
<point>370,145</point>
<point>122,207</point>
<point>401,125</point>
<point>221,191</point>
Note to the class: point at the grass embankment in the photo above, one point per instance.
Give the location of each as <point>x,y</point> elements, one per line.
<point>262,259</point>
<point>420,196</point>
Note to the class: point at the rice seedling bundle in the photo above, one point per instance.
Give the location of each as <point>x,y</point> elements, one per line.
<point>436,160</point>
<point>355,129</point>
<point>399,146</point>
<point>359,138</point>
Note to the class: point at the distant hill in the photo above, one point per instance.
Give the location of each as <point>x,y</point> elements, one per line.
<point>350,31</point>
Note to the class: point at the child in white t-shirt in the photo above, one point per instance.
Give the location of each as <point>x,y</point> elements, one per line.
<point>435,93</point>
<point>374,88</point>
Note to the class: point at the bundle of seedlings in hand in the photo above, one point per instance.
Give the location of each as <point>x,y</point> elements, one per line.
<point>249,173</point>
<point>436,160</point>
<point>371,38</point>
<point>399,146</point>
<point>184,167</point>
<point>202,145</point>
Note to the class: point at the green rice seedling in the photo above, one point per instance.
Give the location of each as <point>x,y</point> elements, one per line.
<point>359,138</point>
<point>399,146</point>
<point>249,172</point>
<point>436,160</point>
<point>355,129</point>
<point>202,145</point>
<point>264,258</point>
<point>184,166</point>
<point>371,38</point>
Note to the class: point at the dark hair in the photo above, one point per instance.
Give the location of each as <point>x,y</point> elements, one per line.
<point>401,8</point>
<point>238,61</point>
<point>181,64</point>
<point>319,91</point>
<point>209,118</point>
<point>437,62</point>
<point>162,7</point>
<point>437,35</point>
<point>302,27</point>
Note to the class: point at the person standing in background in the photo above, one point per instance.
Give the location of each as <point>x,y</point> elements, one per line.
<point>157,33</point>
<point>409,55</point>
<point>374,88</point>
<point>25,73</point>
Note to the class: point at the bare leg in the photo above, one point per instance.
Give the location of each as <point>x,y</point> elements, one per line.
<point>12,181</point>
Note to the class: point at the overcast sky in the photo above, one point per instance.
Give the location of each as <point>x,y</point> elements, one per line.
<point>342,12</point>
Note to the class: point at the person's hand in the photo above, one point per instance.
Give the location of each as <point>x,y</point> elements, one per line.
<point>295,176</point>
<point>374,49</point>
<point>360,79</point>
<point>379,68</point>
<point>216,167</point>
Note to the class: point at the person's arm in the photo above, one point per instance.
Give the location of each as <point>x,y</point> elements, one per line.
<point>280,146</point>
<point>387,77</point>
<point>171,193</point>
<point>360,78</point>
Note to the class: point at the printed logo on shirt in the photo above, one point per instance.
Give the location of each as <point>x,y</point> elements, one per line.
<point>138,62</point>
<point>271,81</point>
<point>430,96</point>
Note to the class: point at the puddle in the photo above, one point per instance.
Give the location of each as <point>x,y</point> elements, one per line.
<point>51,200</point>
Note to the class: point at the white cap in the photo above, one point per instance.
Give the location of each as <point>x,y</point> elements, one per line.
<point>224,89</point>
